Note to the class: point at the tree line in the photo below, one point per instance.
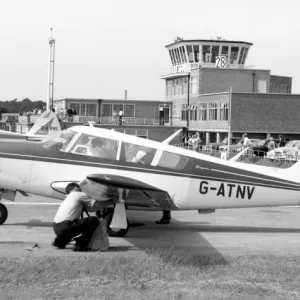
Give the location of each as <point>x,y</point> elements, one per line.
<point>15,106</point>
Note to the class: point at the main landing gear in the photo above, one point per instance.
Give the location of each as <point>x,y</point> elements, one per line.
<point>107,214</point>
<point>3,213</point>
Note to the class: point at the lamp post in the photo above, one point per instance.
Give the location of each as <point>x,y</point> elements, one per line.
<point>229,122</point>
<point>188,102</point>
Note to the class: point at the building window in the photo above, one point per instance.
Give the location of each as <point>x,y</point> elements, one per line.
<point>178,55</point>
<point>189,49</point>
<point>196,53</point>
<point>213,111</point>
<point>193,112</point>
<point>76,106</point>
<point>288,89</point>
<point>185,85</point>
<point>182,52</point>
<point>88,109</point>
<point>172,58</point>
<point>202,108</point>
<point>184,112</point>
<point>169,87</point>
<point>206,53</point>
<point>128,109</point>
<point>223,111</point>
<point>245,56</point>
<point>241,55</point>
<point>224,52</point>
<point>234,55</point>
<point>106,110</point>
<point>194,85</point>
<point>214,53</point>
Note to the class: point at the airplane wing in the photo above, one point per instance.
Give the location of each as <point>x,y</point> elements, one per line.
<point>140,195</point>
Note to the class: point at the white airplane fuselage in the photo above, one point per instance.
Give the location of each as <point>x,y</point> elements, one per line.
<point>205,183</point>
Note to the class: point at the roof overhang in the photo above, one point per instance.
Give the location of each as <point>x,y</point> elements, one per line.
<point>174,75</point>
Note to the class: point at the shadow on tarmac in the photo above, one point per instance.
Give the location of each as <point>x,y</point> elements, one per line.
<point>32,223</point>
<point>175,243</point>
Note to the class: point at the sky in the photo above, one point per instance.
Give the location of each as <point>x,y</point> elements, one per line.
<point>105,47</point>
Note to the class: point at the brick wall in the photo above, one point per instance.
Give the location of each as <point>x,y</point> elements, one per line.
<point>241,80</point>
<point>273,113</point>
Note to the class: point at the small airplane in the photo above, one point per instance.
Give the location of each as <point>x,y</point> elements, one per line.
<point>46,124</point>
<point>156,176</point>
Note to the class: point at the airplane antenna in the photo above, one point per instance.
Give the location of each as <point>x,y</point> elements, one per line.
<point>50,89</point>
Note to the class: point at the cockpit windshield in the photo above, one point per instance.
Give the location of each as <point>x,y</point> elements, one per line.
<point>60,140</point>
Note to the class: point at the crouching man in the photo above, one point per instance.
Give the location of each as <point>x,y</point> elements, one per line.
<point>67,222</point>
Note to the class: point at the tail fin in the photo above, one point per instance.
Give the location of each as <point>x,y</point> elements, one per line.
<point>46,124</point>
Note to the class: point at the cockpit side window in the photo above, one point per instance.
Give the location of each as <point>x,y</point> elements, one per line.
<point>95,146</point>
<point>137,154</point>
<point>172,161</point>
<point>59,141</point>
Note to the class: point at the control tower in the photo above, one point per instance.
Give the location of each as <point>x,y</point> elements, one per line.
<point>186,55</point>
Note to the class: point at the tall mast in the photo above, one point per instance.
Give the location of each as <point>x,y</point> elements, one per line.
<point>50,88</point>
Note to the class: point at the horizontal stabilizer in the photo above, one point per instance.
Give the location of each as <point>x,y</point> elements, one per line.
<point>121,182</point>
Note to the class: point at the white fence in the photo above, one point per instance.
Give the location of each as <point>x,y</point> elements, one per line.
<point>249,156</point>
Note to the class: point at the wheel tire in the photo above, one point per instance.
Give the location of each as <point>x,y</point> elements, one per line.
<point>3,213</point>
<point>115,233</point>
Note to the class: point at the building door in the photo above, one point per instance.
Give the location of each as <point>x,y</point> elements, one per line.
<point>262,86</point>
<point>164,115</point>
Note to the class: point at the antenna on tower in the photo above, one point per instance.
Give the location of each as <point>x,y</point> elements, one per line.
<point>50,89</point>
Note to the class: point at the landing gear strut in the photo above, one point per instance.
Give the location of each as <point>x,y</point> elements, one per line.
<point>108,215</point>
<point>3,213</point>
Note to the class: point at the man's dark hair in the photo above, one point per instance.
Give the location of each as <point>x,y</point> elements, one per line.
<point>71,186</point>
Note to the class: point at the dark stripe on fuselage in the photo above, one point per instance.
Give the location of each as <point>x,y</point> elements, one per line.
<point>27,150</point>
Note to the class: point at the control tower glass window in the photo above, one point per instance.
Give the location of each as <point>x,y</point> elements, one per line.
<point>182,53</point>
<point>178,56</point>
<point>172,58</point>
<point>224,52</point>
<point>245,55</point>
<point>196,53</point>
<point>189,50</point>
<point>234,55</point>
<point>214,53</point>
<point>206,53</point>
<point>241,55</point>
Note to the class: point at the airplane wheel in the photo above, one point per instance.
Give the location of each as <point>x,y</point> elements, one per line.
<point>115,233</point>
<point>3,213</point>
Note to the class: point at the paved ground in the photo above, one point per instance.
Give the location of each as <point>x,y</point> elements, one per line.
<point>236,231</point>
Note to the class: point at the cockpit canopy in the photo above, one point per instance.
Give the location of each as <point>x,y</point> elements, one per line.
<point>119,149</point>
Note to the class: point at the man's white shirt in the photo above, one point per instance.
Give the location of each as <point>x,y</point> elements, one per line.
<point>71,208</point>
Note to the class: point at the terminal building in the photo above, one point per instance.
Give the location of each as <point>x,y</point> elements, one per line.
<point>260,102</point>
<point>206,80</point>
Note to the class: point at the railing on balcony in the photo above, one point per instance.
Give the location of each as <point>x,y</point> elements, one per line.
<point>28,119</point>
<point>103,120</point>
<point>115,121</point>
<point>132,121</point>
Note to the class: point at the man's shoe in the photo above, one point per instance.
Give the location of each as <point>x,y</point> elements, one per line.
<point>163,221</point>
<point>57,243</point>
